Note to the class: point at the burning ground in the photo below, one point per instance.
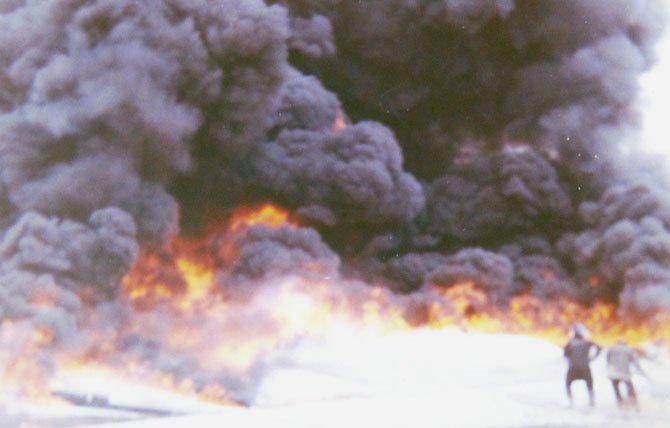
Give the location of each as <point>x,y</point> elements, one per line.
<point>187,184</point>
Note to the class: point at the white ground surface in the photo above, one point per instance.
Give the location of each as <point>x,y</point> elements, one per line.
<point>421,378</point>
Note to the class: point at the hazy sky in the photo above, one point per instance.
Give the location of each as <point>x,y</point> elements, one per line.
<point>656,100</point>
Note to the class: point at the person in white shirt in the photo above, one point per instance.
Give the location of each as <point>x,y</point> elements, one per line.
<point>619,360</point>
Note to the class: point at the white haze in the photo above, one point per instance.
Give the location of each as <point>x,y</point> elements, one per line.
<point>422,378</point>
<point>655,101</point>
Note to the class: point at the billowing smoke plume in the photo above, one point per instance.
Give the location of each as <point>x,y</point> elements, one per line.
<point>512,113</point>
<point>265,253</point>
<point>451,75</point>
<point>51,260</point>
<point>417,143</point>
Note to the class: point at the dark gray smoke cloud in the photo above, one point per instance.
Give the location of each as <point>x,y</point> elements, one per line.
<point>490,198</point>
<point>625,247</point>
<point>512,113</point>
<point>418,143</point>
<point>445,73</point>
<point>101,106</point>
<point>312,36</point>
<point>355,175</point>
<point>46,263</point>
<point>264,253</point>
<point>334,176</point>
<point>545,277</point>
<point>409,272</point>
<point>491,272</point>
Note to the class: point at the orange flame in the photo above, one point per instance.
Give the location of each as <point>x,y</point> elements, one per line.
<point>469,307</point>
<point>21,372</point>
<point>267,215</point>
<point>184,274</point>
<point>191,317</point>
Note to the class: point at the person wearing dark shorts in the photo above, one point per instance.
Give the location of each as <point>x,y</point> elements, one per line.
<point>580,352</point>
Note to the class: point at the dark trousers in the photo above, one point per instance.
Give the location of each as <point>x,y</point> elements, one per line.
<point>579,374</point>
<point>631,396</point>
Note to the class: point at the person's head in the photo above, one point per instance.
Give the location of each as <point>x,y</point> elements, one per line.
<point>579,331</point>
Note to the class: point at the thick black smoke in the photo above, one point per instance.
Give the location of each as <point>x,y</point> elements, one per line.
<point>512,113</point>
<point>453,75</point>
<point>264,254</point>
<point>626,244</point>
<point>52,260</point>
<point>483,143</point>
<point>493,198</point>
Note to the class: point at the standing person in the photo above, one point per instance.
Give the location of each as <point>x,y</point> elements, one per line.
<point>579,353</point>
<point>619,359</point>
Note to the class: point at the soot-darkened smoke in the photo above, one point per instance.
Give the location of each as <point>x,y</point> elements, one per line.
<point>483,143</point>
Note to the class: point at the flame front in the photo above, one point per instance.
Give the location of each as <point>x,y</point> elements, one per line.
<point>182,331</point>
<point>552,319</point>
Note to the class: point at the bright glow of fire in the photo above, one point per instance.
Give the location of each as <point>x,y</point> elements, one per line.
<point>340,123</point>
<point>469,308</point>
<point>183,332</point>
<point>19,341</point>
<point>267,215</point>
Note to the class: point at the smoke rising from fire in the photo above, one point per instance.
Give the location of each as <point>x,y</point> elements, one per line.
<point>416,144</point>
<point>512,114</point>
